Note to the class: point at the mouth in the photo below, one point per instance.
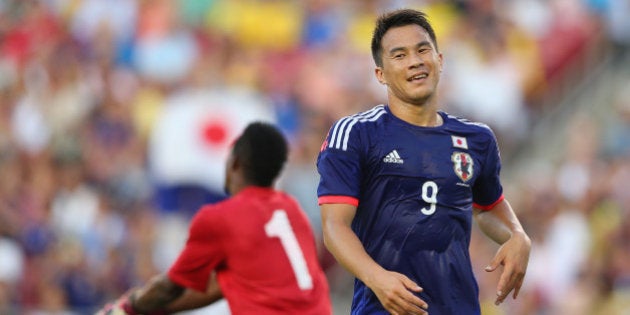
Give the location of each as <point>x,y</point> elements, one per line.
<point>418,77</point>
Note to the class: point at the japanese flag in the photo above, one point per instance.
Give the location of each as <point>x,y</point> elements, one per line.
<point>459,142</point>
<point>192,136</point>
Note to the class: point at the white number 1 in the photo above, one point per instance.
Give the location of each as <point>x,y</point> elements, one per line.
<point>280,227</point>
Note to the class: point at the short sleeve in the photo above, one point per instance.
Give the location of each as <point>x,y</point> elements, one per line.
<point>202,253</point>
<point>487,191</point>
<point>339,164</point>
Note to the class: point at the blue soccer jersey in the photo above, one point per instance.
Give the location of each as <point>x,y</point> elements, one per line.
<point>414,188</point>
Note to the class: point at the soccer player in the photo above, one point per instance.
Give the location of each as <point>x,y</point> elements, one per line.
<point>259,244</point>
<point>401,183</point>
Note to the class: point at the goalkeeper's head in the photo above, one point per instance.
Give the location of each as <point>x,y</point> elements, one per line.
<point>257,157</point>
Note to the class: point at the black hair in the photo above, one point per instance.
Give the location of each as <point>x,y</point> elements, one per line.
<point>262,150</point>
<point>397,18</point>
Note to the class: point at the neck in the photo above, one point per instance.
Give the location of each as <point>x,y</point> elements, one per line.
<point>419,115</point>
<point>237,184</point>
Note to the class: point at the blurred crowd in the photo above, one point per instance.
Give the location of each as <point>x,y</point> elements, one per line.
<point>576,209</point>
<point>90,206</point>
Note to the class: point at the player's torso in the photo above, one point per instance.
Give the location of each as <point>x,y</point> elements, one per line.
<point>271,256</point>
<point>415,207</point>
<point>418,183</point>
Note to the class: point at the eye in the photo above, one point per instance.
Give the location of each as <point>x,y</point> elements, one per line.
<point>399,56</point>
<point>423,50</point>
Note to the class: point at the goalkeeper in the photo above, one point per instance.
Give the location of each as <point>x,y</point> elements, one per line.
<point>255,249</point>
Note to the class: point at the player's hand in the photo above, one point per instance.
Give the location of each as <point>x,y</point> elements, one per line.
<point>122,306</point>
<point>118,307</point>
<point>395,292</point>
<point>513,255</point>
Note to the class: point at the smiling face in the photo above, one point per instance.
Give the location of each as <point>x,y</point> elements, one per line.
<point>411,65</point>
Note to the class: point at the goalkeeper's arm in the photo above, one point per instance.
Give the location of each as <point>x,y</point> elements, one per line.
<point>162,296</point>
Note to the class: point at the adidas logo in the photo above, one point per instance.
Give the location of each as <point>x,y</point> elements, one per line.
<point>393,157</point>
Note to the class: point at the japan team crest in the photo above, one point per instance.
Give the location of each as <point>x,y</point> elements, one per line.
<point>463,165</point>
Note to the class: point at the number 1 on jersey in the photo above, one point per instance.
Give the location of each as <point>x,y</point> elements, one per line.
<point>280,227</point>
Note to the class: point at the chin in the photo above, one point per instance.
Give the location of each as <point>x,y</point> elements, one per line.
<point>419,100</point>
<point>424,95</point>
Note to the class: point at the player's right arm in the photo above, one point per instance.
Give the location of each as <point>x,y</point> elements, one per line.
<point>162,296</point>
<point>192,299</point>
<point>394,290</point>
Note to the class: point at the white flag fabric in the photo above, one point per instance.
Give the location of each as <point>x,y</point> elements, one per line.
<point>191,139</point>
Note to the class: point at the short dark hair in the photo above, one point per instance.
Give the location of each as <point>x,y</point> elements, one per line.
<point>397,18</point>
<point>262,150</point>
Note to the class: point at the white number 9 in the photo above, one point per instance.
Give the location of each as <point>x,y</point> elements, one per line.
<point>429,195</point>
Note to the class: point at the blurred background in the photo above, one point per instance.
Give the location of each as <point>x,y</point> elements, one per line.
<point>116,117</point>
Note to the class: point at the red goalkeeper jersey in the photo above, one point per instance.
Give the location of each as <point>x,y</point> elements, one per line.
<point>263,250</point>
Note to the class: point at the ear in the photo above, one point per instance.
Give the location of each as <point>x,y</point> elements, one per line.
<point>231,164</point>
<point>378,72</point>
<point>235,163</point>
<point>441,59</point>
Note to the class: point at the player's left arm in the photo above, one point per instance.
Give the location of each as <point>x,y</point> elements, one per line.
<point>501,225</point>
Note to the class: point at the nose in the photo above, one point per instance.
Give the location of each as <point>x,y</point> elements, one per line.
<point>415,60</point>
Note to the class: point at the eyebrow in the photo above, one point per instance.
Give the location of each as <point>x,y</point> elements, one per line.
<point>420,44</point>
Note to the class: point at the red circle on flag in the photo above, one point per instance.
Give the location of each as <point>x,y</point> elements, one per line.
<point>214,133</point>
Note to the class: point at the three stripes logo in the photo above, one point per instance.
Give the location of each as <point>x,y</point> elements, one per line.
<point>393,157</point>
<point>341,132</point>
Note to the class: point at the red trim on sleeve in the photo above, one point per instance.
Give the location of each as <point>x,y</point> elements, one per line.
<point>490,206</point>
<point>338,199</point>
